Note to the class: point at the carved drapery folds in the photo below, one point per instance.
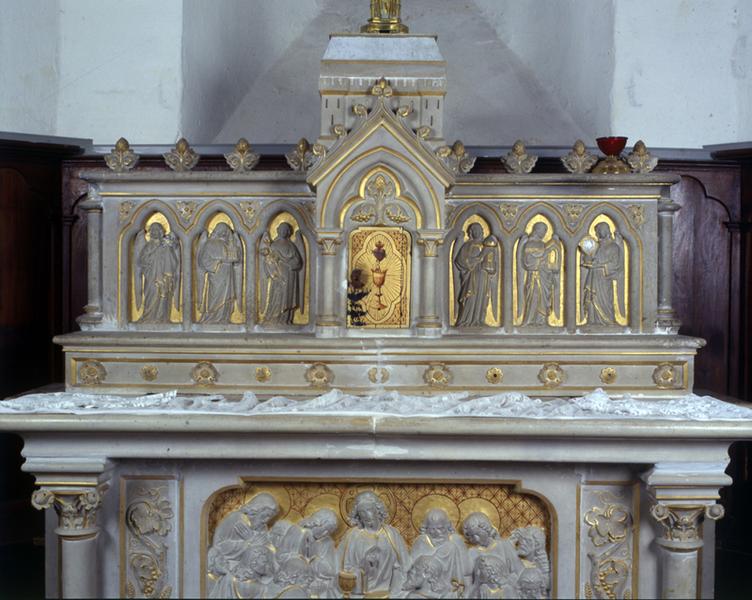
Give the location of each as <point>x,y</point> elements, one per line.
<point>424,540</point>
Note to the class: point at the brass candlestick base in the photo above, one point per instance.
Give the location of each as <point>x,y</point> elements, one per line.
<point>385,18</point>
<point>611,165</point>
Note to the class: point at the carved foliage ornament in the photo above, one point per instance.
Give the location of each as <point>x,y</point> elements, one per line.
<point>303,156</point>
<point>77,510</point>
<point>579,160</point>
<point>551,375</point>
<point>148,519</point>
<point>205,373</point>
<point>182,157</point>
<point>437,375</point>
<point>242,159</point>
<point>610,532</point>
<point>380,203</point>
<point>456,158</point>
<point>91,372</point>
<point>518,161</point>
<point>186,209</point>
<point>122,158</point>
<point>664,376</point>
<point>640,160</point>
<point>319,375</point>
<point>124,210</point>
<point>494,375</point>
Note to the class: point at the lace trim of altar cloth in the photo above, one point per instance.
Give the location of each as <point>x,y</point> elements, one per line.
<point>595,405</point>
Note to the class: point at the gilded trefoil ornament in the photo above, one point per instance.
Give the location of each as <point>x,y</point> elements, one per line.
<point>640,160</point>
<point>242,159</point>
<point>518,161</point>
<point>456,158</point>
<point>303,156</point>
<point>579,160</point>
<point>182,157</point>
<point>122,158</point>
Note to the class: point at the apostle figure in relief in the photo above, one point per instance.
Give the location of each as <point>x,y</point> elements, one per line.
<point>485,539</point>
<point>604,269</point>
<point>284,265</point>
<point>425,579</point>
<point>530,542</point>
<point>438,539</point>
<point>252,577</point>
<point>220,259</point>
<point>372,550</point>
<point>156,274</point>
<point>476,271</point>
<point>492,578</point>
<point>538,266</point>
<point>291,579</point>
<point>234,537</point>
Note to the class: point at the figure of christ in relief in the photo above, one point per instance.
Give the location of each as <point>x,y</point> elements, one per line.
<point>156,274</point>
<point>284,265</point>
<point>438,539</point>
<point>603,268</point>
<point>538,266</point>
<point>236,541</point>
<point>372,550</point>
<point>220,260</point>
<point>477,265</point>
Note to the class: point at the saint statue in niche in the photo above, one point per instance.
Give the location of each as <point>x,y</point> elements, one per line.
<point>284,265</point>
<point>156,274</point>
<point>476,264</point>
<point>220,276</point>
<point>603,285</point>
<point>372,550</point>
<point>538,269</point>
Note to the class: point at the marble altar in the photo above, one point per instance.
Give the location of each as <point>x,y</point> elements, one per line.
<point>377,373</point>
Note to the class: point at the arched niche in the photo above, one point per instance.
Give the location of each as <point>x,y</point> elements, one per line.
<point>538,275</point>
<point>419,195</point>
<point>603,274</point>
<point>283,281</point>
<point>219,260</point>
<point>155,275</point>
<point>464,276</point>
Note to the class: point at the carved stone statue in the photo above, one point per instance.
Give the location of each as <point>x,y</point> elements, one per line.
<point>538,266</point>
<point>535,579</point>
<point>438,539</point>
<point>156,274</point>
<point>235,557</point>
<point>372,550</point>
<point>485,540</point>
<point>476,275</point>
<point>220,276</point>
<point>603,268</point>
<point>284,265</point>
<point>426,579</point>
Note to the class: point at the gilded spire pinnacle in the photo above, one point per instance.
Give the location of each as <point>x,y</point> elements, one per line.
<point>385,17</point>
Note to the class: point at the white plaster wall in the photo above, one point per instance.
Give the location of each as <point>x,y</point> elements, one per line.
<point>120,70</point>
<point>675,73</point>
<point>28,65</point>
<point>682,71</point>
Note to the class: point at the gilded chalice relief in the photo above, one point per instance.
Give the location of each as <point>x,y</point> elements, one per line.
<point>475,275</point>
<point>602,278</point>
<point>379,262</point>
<point>155,274</point>
<point>538,276</point>
<point>219,273</point>
<point>283,274</point>
<point>335,539</point>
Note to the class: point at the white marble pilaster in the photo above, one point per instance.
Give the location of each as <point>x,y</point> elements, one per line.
<point>666,318</point>
<point>93,310</point>
<point>684,494</point>
<point>328,322</point>
<point>429,321</point>
<point>74,488</point>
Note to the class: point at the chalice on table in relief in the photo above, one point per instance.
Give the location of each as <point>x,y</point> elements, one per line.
<point>379,274</point>
<point>347,581</point>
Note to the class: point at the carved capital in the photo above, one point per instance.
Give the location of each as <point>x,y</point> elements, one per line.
<point>329,245</point>
<point>430,246</point>
<point>682,525</point>
<point>76,508</point>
